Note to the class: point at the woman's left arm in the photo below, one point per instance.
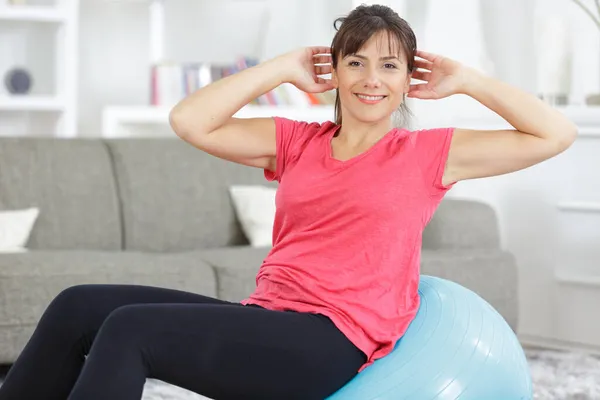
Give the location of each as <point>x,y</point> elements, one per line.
<point>541,132</point>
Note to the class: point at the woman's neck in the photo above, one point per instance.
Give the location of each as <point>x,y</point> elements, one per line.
<point>356,134</point>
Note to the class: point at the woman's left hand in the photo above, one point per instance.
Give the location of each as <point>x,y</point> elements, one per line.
<point>443,77</point>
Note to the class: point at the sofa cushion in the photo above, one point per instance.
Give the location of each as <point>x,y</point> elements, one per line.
<point>175,197</point>
<point>490,274</point>
<point>236,268</point>
<point>462,224</point>
<point>71,182</point>
<point>29,281</point>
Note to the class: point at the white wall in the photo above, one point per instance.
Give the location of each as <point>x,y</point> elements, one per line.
<point>556,250</point>
<point>114,70</point>
<point>114,52</point>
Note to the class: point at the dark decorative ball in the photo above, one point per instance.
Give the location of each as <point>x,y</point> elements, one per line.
<point>18,81</point>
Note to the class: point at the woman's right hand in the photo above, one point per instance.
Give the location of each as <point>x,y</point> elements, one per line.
<point>301,69</point>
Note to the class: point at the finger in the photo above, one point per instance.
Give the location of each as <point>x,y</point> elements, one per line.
<point>423,64</point>
<point>324,81</point>
<point>320,59</point>
<point>321,86</point>
<point>418,95</point>
<point>426,55</point>
<point>420,91</point>
<point>414,95</point>
<point>418,87</point>
<point>321,50</point>
<point>323,69</point>
<point>421,75</point>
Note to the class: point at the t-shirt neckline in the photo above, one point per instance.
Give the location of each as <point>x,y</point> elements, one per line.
<point>336,162</point>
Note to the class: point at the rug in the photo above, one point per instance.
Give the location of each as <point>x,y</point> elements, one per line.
<point>556,375</point>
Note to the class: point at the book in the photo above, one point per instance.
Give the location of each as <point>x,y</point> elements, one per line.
<point>172,82</point>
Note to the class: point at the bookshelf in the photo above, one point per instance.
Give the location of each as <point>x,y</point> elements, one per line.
<point>32,103</point>
<point>127,121</point>
<point>170,82</point>
<point>41,37</point>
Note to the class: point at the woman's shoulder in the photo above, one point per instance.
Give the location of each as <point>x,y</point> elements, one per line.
<point>421,134</point>
<point>302,128</point>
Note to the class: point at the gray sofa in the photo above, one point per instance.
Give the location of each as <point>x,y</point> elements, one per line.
<point>157,212</point>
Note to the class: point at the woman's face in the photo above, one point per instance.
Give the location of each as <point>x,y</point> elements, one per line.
<point>372,82</point>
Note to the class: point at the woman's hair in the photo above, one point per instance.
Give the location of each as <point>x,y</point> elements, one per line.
<point>358,27</point>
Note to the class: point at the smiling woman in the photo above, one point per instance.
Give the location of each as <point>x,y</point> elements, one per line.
<point>356,194</point>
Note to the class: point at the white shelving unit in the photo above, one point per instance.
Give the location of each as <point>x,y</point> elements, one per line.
<point>131,121</point>
<point>60,97</point>
<point>32,103</point>
<point>125,121</point>
<point>32,13</point>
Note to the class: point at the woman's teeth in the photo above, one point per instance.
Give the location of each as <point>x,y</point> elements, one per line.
<point>370,98</point>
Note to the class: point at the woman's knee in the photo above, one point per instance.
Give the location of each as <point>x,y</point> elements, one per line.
<point>70,307</point>
<point>71,298</point>
<point>127,322</point>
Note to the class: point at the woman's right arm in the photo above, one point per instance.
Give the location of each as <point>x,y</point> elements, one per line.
<point>205,118</point>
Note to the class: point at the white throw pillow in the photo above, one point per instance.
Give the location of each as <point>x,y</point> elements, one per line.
<point>15,229</point>
<point>255,208</point>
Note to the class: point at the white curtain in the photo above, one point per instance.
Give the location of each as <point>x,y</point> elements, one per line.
<point>454,29</point>
<point>397,5</point>
<point>552,48</point>
<point>585,53</point>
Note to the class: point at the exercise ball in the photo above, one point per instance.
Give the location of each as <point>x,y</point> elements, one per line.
<point>458,347</point>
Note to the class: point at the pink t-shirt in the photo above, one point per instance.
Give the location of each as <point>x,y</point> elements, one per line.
<point>347,234</point>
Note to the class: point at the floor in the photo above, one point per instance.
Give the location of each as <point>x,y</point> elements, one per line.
<point>564,375</point>
<point>556,375</point>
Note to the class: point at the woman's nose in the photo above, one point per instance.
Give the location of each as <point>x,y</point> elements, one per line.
<point>372,79</point>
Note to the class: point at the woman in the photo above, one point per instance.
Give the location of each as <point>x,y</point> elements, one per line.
<point>339,286</point>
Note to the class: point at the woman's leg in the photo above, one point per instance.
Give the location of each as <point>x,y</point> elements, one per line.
<point>50,363</point>
<point>222,352</point>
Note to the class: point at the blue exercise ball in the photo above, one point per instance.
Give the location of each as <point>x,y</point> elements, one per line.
<point>457,347</point>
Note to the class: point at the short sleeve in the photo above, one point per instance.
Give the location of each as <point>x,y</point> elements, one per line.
<point>432,147</point>
<point>291,137</point>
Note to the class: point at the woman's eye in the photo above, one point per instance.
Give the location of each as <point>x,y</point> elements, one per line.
<point>357,64</point>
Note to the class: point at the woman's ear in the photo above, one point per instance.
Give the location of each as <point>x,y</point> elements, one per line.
<point>407,82</point>
<point>334,80</point>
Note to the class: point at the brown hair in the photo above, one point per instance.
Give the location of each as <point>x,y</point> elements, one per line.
<point>358,27</point>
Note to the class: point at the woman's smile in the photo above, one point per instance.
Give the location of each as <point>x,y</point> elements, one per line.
<point>369,99</point>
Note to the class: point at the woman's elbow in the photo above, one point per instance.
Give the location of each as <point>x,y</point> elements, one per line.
<point>570,135</point>
<point>566,138</point>
<point>177,122</point>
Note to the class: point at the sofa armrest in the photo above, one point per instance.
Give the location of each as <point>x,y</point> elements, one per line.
<point>492,274</point>
<point>462,224</point>
<point>235,268</point>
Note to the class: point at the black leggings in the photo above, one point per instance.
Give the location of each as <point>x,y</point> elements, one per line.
<point>219,349</point>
